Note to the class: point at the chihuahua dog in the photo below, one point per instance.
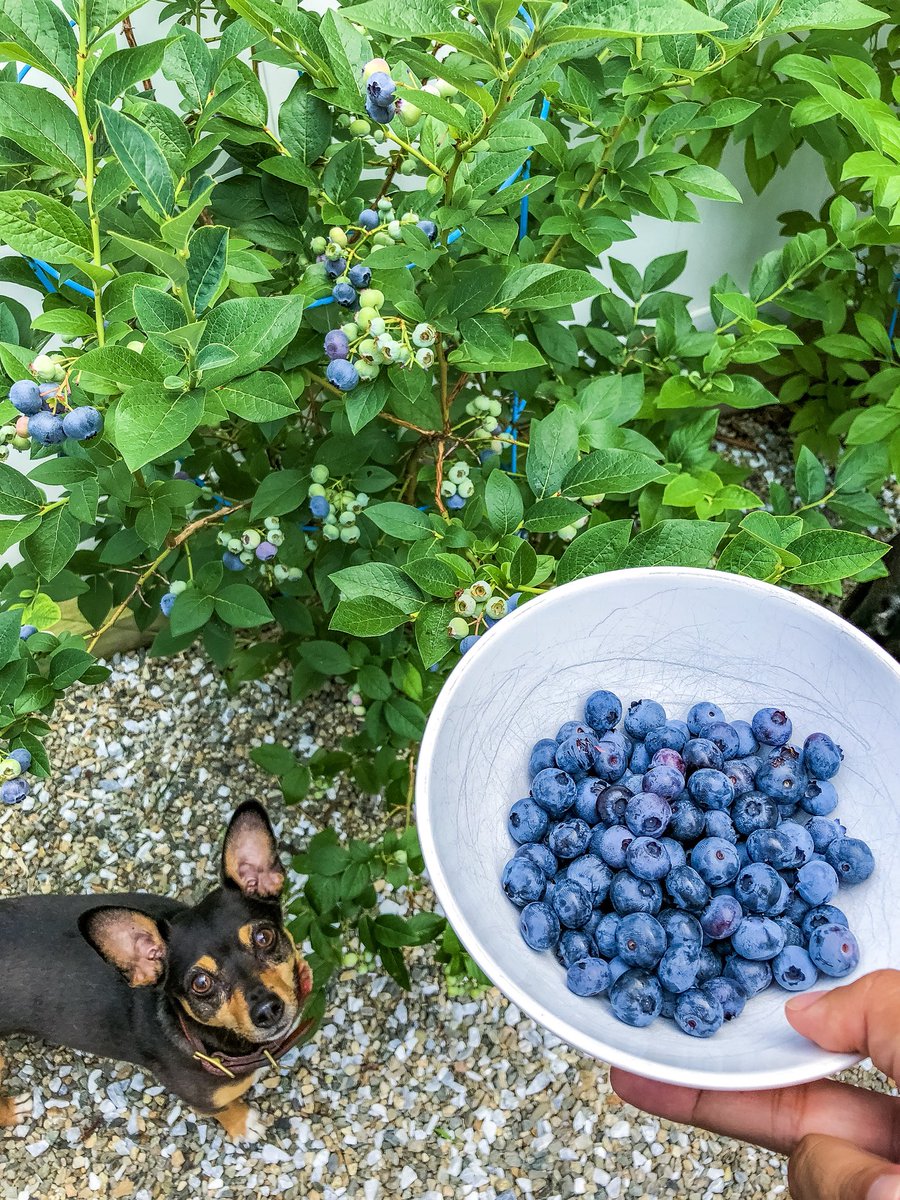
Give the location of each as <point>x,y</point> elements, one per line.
<point>206,997</point>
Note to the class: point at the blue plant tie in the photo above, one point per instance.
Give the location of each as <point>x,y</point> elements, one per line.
<point>892,328</point>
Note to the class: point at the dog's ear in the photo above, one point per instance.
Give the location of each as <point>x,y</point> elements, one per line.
<point>128,940</point>
<point>250,860</point>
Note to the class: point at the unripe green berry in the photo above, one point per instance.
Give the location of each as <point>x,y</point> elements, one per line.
<point>495,608</point>
<point>371,298</point>
<point>465,488</point>
<point>495,408</point>
<point>366,349</point>
<point>481,404</point>
<point>251,538</point>
<point>350,534</point>
<point>402,356</point>
<point>247,557</point>
<point>311,546</point>
<point>375,64</point>
<point>425,357</point>
<point>177,586</point>
<point>448,487</point>
<point>343,120</point>
<point>410,114</point>
<point>568,532</point>
<point>276,537</point>
<point>481,590</point>
<point>361,500</point>
<point>385,204</point>
<point>444,89</point>
<point>136,346</point>
<point>330,533</point>
<point>382,239</point>
<point>594,500</point>
<point>377,326</point>
<point>465,604</point>
<point>489,424</point>
<point>350,331</point>
<point>365,316</point>
<point>316,489</point>
<point>9,769</point>
<point>424,335</point>
<point>367,370</point>
<point>457,627</point>
<point>294,573</point>
<point>319,475</point>
<point>458,472</point>
<point>359,128</point>
<point>347,518</point>
<point>280,572</point>
<point>318,244</point>
<point>394,228</point>
<point>235,545</point>
<point>272,522</point>
<point>378,137</point>
<point>338,236</point>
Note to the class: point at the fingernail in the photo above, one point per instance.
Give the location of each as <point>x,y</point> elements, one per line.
<point>799,1004</point>
<point>885,1188</point>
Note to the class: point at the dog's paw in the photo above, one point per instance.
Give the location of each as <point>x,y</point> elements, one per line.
<point>14,1110</point>
<point>254,1129</point>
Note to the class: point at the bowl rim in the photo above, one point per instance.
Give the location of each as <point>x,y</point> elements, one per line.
<point>821,1065</point>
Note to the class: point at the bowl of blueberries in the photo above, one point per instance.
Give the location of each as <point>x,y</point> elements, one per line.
<point>656,803</point>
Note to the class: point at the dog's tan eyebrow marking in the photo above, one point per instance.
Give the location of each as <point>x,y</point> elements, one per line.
<point>245,936</point>
<point>206,963</point>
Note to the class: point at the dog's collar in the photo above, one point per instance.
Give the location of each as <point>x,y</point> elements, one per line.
<point>231,1066</point>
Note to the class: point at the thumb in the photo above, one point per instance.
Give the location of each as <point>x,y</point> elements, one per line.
<point>825,1168</point>
<point>863,1017</point>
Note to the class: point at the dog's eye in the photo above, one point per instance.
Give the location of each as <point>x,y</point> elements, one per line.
<point>201,984</point>
<point>264,938</point>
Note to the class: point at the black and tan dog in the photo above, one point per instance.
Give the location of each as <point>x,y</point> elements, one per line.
<point>207,997</point>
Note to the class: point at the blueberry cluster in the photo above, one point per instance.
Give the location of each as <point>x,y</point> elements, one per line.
<point>487,410</point>
<point>241,549</point>
<point>683,866</point>
<point>46,415</point>
<point>381,104</point>
<point>13,788</point>
<point>456,486</point>
<point>336,508</point>
<point>477,611</point>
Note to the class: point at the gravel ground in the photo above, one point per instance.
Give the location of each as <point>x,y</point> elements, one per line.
<point>414,1097</point>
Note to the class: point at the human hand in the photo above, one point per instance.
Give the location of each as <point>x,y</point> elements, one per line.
<point>843,1141</point>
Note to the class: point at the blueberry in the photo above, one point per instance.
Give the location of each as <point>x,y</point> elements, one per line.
<point>631,782</point>
<point>833,948</point>
<point>540,926</point>
<point>541,856</point>
<point>817,882</point>
<point>231,562</point>
<point>675,850</point>
<point>819,798</point>
<point>798,844</point>
<point>265,551</point>
<point>25,397</point>
<point>344,294</point>
<point>14,791</point>
<point>667,758</point>
<point>720,825</point>
<point>747,743</point>
<point>664,781</point>
<point>743,779</point>
<point>640,759</point>
<point>646,858</point>
<point>381,88</point>
<point>22,757</point>
<point>687,889</point>
<point>667,1011</point>
<point>82,424</point>
<point>617,969</point>
<point>527,821</point>
<point>630,895</point>
<point>688,822</point>
<point>671,736</point>
<point>368,219</point>
<point>26,631</point>
<point>523,881</point>
<point>824,832</point>
<point>701,754</point>
<point>715,861</point>
<point>758,938</point>
<point>766,845</point>
<point>612,845</point>
<point>573,945</point>
<point>360,275</point>
<point>428,228</point>
<point>823,914</point>
<point>554,791</point>
<point>571,729</point>
<point>319,506</point>
<point>794,970</point>
<point>636,998</point>
<point>822,758</point>
<point>782,778</point>
<point>796,907</point>
<point>605,934</point>
<point>702,715</point>
<point>752,762</point>
<point>588,977</point>
<point>851,858</point>
<point>728,993</point>
<point>167,603</point>
<point>602,711</point>
<point>594,876</point>
<point>576,754</point>
<point>342,374</point>
<point>46,428</point>
<point>647,815</point>
<point>678,967</point>
<point>758,887</point>
<point>721,917</point>
<point>709,966</point>
<point>568,839</point>
<point>793,934</point>
<point>725,736</point>
<point>711,788</point>
<point>336,344</point>
<point>681,928</point>
<point>587,793</point>
<point>698,1014</point>
<point>543,755</point>
<point>610,759</point>
<point>335,267</point>
<point>571,903</point>
<point>642,716</point>
<point>771,727</point>
<point>640,940</point>
<point>754,811</point>
<point>612,804</point>
<point>754,977</point>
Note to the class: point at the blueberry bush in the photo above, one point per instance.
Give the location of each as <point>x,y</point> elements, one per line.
<point>337,383</point>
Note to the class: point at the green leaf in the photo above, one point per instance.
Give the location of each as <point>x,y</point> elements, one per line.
<point>121,70</point>
<point>373,682</point>
<point>523,565</point>
<point>191,610</point>
<point>779,532</point>
<point>37,33</point>
<point>328,658</point>
<point>405,718</point>
<point>341,176</point>
<point>256,328</point>
<point>43,125</point>
<point>142,159</point>
<point>365,402</point>
<point>503,503</point>
<point>552,514</point>
<point>809,476</point>
<point>552,451</point>
<point>675,543</point>
<point>304,123</point>
<point>432,639</point>
<point>366,616</point>
<point>543,285</point>
<point>400,521</point>
<point>434,577</point>
<point>10,625</point>
<point>18,495</point>
<point>153,522</point>
<point>823,14</point>
<point>280,492</point>
<point>747,555</point>
<point>53,543</point>
<point>188,62</point>
<point>644,18</point>
<point>832,554</point>
<point>594,551</point>
<point>38,225</point>
<point>611,471</point>
<point>156,310</point>
<point>242,606</point>
<point>425,18</point>
<point>207,255</point>
<point>263,396</point>
<point>118,365</point>
<point>150,421</point>
<point>705,181</point>
<point>378,579</point>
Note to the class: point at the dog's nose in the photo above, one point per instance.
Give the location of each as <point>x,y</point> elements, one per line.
<point>268,1012</point>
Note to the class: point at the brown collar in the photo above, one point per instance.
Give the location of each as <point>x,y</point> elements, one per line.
<point>230,1066</point>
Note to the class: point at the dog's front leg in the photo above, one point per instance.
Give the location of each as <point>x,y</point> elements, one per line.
<point>241,1122</point>
<point>14,1110</point>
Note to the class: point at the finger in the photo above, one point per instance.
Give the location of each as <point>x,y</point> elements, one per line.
<point>778,1119</point>
<point>862,1018</point>
<point>825,1168</point>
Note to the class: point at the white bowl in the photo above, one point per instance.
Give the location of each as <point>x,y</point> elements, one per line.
<point>675,635</point>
